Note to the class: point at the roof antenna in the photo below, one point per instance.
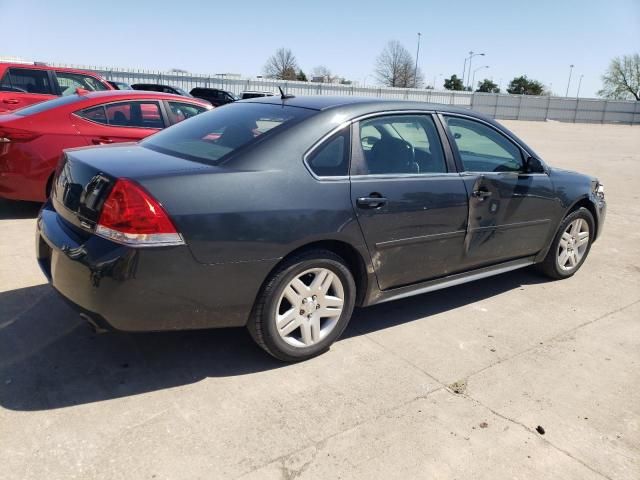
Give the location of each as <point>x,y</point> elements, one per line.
<point>284,96</point>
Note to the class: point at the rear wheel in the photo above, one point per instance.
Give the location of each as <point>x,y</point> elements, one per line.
<point>304,307</point>
<point>571,245</point>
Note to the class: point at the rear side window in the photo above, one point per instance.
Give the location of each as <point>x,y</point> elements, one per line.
<point>331,159</point>
<point>213,136</point>
<point>25,80</point>
<point>70,82</point>
<point>126,114</point>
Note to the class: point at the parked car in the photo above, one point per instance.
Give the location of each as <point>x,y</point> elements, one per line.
<point>120,85</point>
<point>283,213</point>
<point>254,94</point>
<point>154,87</point>
<point>24,84</point>
<point>32,138</point>
<point>216,96</point>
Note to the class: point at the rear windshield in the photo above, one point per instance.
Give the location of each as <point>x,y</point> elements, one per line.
<point>48,105</point>
<point>214,135</point>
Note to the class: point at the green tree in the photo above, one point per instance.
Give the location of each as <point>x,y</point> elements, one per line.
<point>453,83</point>
<point>523,86</point>
<point>301,76</point>
<point>487,86</point>
<point>622,80</point>
<point>282,65</point>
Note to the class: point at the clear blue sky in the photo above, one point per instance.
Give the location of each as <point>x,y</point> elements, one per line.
<point>536,38</point>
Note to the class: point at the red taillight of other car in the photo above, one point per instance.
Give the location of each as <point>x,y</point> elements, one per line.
<point>133,217</point>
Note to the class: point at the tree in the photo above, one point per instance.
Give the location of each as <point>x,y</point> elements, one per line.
<point>395,67</point>
<point>323,72</point>
<point>487,86</point>
<point>523,86</point>
<point>453,83</point>
<point>622,80</point>
<point>282,65</point>
<point>301,76</point>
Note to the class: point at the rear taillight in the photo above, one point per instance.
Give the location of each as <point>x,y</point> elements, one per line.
<point>133,217</point>
<point>8,135</point>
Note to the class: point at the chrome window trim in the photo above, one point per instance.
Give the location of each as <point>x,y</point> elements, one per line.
<point>103,105</point>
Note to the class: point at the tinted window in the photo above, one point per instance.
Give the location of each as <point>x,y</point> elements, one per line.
<point>48,105</point>
<point>181,111</point>
<point>214,135</point>
<point>95,114</point>
<point>483,149</point>
<point>402,144</point>
<point>27,81</point>
<point>134,114</point>
<point>331,158</point>
<point>70,82</point>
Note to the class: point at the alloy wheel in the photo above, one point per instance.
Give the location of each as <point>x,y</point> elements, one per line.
<point>573,244</point>
<point>309,307</point>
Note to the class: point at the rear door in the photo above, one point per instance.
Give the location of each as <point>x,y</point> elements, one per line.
<point>128,121</point>
<point>410,202</point>
<point>21,87</point>
<point>510,209</point>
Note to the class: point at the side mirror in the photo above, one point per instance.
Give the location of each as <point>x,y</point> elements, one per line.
<point>533,165</point>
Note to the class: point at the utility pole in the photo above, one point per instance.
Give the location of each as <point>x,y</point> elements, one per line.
<point>569,81</point>
<point>579,84</point>
<point>415,71</point>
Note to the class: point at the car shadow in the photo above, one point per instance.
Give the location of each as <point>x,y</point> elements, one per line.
<point>50,358</point>
<point>14,210</point>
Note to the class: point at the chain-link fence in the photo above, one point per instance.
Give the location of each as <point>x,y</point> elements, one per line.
<point>500,106</point>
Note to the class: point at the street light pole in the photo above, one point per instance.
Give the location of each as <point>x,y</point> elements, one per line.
<point>473,81</point>
<point>569,81</point>
<point>464,69</point>
<point>415,71</point>
<point>579,84</point>
<point>471,55</point>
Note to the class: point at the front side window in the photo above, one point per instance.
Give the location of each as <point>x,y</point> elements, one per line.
<point>213,136</point>
<point>70,82</point>
<point>402,144</point>
<point>25,80</point>
<point>331,159</point>
<point>483,149</point>
<point>181,111</point>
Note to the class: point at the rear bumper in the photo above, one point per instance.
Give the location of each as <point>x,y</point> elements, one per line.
<point>148,289</point>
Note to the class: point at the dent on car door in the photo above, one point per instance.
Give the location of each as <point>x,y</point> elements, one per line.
<point>410,204</point>
<point>511,211</point>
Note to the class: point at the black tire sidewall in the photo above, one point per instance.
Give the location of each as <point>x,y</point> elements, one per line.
<point>553,252</point>
<point>276,345</point>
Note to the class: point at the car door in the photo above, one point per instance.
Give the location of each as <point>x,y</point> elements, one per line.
<point>410,202</point>
<point>21,87</point>
<point>127,121</point>
<point>179,111</point>
<point>510,208</point>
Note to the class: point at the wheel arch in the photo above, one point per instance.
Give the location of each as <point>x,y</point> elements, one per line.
<point>584,202</point>
<point>352,257</point>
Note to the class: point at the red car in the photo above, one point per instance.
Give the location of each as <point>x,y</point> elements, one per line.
<point>32,138</point>
<point>24,84</point>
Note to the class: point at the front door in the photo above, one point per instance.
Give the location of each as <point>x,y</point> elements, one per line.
<point>410,203</point>
<point>510,209</point>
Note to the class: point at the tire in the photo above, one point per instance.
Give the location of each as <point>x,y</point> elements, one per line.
<point>307,328</point>
<point>552,265</point>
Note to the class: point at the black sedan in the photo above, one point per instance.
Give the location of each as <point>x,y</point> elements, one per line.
<point>282,214</point>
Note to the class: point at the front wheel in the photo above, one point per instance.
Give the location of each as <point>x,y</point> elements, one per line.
<point>571,245</point>
<point>304,307</point>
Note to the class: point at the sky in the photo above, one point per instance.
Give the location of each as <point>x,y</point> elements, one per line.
<point>539,39</point>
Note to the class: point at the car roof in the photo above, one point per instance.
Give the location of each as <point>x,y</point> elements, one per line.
<point>136,94</point>
<point>362,105</point>
<point>47,67</point>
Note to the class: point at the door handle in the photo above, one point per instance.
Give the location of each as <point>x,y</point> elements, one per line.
<point>371,202</point>
<point>481,194</point>
<point>101,141</point>
<point>11,101</point>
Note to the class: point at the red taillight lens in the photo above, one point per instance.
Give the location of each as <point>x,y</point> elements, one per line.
<point>8,134</point>
<point>133,217</point>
